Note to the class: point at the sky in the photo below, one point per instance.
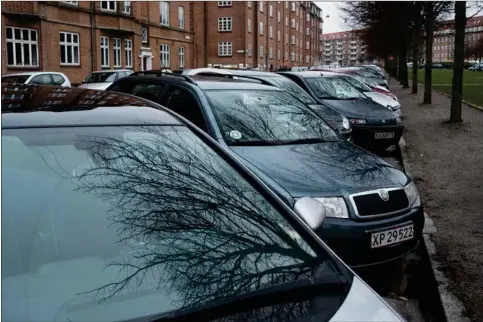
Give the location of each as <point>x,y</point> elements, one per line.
<point>335,22</point>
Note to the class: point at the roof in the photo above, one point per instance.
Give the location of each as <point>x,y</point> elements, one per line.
<point>111,71</point>
<point>44,105</point>
<point>253,73</point>
<point>312,74</point>
<point>31,73</point>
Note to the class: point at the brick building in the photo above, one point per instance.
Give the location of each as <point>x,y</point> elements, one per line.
<point>443,45</point>
<point>345,48</point>
<point>76,37</point>
<point>262,34</point>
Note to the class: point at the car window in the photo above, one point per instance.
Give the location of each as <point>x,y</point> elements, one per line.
<point>357,84</point>
<point>291,87</point>
<point>333,88</point>
<point>44,79</point>
<point>152,92</point>
<point>265,116</point>
<point>101,77</point>
<point>115,223</point>
<point>184,103</point>
<point>18,79</point>
<point>58,79</point>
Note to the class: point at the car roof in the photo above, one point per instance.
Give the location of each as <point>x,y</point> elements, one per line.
<point>192,72</point>
<point>32,73</point>
<point>111,71</point>
<point>52,106</point>
<point>253,73</point>
<point>312,74</point>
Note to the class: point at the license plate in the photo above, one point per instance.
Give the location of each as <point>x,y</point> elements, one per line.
<point>392,236</point>
<point>384,135</point>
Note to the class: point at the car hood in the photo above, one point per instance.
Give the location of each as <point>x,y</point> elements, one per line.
<point>322,169</point>
<point>362,108</point>
<point>100,86</point>
<point>382,99</point>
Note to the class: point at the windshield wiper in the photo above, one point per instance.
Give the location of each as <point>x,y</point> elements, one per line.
<point>298,290</point>
<point>305,141</point>
<point>253,143</point>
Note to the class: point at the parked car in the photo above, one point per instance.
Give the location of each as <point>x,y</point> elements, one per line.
<point>374,127</point>
<point>102,79</point>
<point>117,210</point>
<point>364,72</point>
<point>38,78</point>
<point>293,150</point>
<point>335,119</point>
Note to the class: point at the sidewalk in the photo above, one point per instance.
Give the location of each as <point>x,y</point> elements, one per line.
<point>446,161</point>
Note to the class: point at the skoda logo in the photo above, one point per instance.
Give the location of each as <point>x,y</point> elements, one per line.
<point>384,194</point>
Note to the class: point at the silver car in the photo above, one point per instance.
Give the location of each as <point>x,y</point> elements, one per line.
<point>103,79</point>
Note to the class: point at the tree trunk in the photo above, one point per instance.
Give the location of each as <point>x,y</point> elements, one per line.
<point>459,58</point>
<point>428,8</point>
<point>416,36</point>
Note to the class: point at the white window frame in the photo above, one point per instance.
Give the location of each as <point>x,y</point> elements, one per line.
<point>261,4</point>
<point>225,24</point>
<point>225,49</point>
<point>292,56</point>
<point>307,31</point>
<point>293,41</point>
<point>278,54</point>
<point>249,25</point>
<point>307,44</point>
<point>260,28</point>
<point>144,40</point>
<point>249,50</point>
<point>224,4</point>
<point>105,51</point>
<point>164,13</point>
<point>270,10</point>
<point>308,17</point>
<point>181,17</point>
<point>69,46</point>
<point>165,55</point>
<point>278,35</point>
<point>106,6</point>
<point>286,21</point>
<point>292,23</point>
<point>261,48</point>
<point>270,52</point>
<point>278,15</point>
<point>23,42</point>
<point>270,32</point>
<point>292,4</point>
<point>128,52</point>
<point>72,3</point>
<point>181,57</point>
<point>286,38</point>
<point>249,4</point>
<point>116,49</point>
<point>126,7</point>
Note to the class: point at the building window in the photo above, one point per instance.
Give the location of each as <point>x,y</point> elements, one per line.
<point>126,7</point>
<point>278,35</point>
<point>224,3</point>
<point>181,57</point>
<point>116,45</point>
<point>270,31</point>
<point>307,59</point>
<point>249,50</point>
<point>293,22</point>
<point>307,45</point>
<point>128,52</point>
<point>224,49</point>
<point>224,23</point>
<point>286,38</point>
<point>22,47</point>
<point>249,4</point>
<point>293,6</point>
<point>307,31</point>
<point>308,17</point>
<point>249,25</point>
<point>278,54</point>
<point>104,52</point>
<point>270,53</point>
<point>261,51</point>
<point>270,10</point>
<point>73,3</point>
<point>292,56</point>
<point>165,56</point>
<point>292,40</point>
<point>181,17</point>
<point>164,13</point>
<point>69,48</point>
<point>286,55</point>
<point>261,28</point>
<point>278,16</point>
<point>108,5</point>
<point>144,35</point>
<point>286,4</point>
<point>286,21</point>
<point>261,4</point>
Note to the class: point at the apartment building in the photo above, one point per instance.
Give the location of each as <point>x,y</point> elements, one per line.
<point>77,37</point>
<point>263,34</point>
<point>443,45</point>
<point>345,48</point>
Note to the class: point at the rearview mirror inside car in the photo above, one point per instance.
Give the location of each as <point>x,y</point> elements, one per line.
<point>311,211</point>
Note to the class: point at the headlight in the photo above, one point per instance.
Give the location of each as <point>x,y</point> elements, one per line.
<point>398,120</point>
<point>335,207</point>
<point>411,193</point>
<point>357,121</point>
<point>345,123</point>
<point>389,107</point>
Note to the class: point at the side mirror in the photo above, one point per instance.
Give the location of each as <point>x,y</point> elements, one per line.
<point>311,211</point>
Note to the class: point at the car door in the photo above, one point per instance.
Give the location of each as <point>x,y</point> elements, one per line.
<point>184,102</point>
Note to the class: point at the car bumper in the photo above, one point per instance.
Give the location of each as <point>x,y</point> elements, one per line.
<point>351,240</point>
<point>364,136</point>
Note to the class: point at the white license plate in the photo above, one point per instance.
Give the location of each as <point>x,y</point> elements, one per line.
<point>384,135</point>
<point>392,236</point>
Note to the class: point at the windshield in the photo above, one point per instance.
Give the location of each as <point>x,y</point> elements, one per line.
<point>266,117</point>
<point>290,86</point>
<point>113,223</point>
<point>19,79</point>
<point>333,88</point>
<point>104,77</point>
<point>364,80</point>
<point>357,84</point>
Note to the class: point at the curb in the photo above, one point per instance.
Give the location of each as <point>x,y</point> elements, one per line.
<point>453,308</point>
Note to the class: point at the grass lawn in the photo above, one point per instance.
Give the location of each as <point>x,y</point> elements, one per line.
<point>472,83</point>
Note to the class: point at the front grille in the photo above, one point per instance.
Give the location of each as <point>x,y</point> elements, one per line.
<point>371,204</point>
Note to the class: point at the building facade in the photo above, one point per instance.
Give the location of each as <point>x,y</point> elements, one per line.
<point>77,37</point>
<point>344,48</point>
<point>263,34</point>
<point>443,44</point>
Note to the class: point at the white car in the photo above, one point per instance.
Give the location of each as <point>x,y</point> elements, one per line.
<point>205,71</point>
<point>103,79</point>
<point>37,78</point>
